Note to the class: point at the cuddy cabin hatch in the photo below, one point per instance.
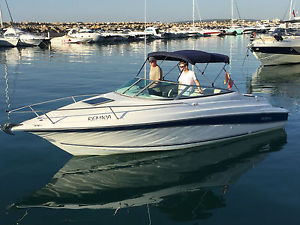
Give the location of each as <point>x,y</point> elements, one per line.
<point>98,101</point>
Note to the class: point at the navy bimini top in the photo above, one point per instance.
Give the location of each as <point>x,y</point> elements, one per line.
<point>190,56</point>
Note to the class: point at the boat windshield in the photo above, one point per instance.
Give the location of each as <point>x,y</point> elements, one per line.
<point>144,88</point>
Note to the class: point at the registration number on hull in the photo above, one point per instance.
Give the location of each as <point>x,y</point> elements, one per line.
<point>99,117</point>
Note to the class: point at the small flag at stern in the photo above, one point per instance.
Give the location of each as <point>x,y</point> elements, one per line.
<point>228,81</point>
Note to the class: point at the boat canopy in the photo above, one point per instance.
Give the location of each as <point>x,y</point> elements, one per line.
<point>190,56</point>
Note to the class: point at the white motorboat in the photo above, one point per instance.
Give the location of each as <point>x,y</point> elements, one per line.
<point>115,37</point>
<point>211,32</point>
<point>181,33</point>
<point>66,39</point>
<point>258,28</point>
<point>85,34</point>
<point>146,115</point>
<point>276,49</point>
<point>233,30</point>
<point>25,38</point>
<point>149,33</point>
<point>77,36</point>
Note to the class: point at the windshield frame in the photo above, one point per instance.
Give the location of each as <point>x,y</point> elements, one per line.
<point>166,90</point>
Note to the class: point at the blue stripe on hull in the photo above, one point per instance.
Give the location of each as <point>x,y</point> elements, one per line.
<point>218,120</point>
<point>276,50</point>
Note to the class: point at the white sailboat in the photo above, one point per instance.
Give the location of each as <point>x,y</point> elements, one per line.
<point>234,29</point>
<point>25,38</point>
<point>291,11</point>
<point>6,42</point>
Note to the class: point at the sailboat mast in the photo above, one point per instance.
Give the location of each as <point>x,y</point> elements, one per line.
<point>1,21</point>
<point>291,9</point>
<point>145,41</point>
<point>11,19</point>
<point>198,11</point>
<point>193,14</point>
<point>193,28</point>
<point>231,12</point>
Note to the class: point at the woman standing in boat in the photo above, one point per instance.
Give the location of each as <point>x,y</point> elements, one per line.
<point>187,77</point>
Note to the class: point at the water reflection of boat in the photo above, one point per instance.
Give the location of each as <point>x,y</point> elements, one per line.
<point>14,56</point>
<point>80,49</point>
<point>167,180</point>
<point>281,79</point>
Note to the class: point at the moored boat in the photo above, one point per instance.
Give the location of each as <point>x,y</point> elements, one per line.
<point>276,49</point>
<point>211,32</point>
<point>25,38</point>
<point>84,33</point>
<point>136,119</point>
<point>66,39</point>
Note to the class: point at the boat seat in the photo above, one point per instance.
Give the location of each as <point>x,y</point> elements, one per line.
<point>196,93</point>
<point>217,91</point>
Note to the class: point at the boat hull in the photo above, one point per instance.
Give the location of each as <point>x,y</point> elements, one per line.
<point>30,42</point>
<point>7,42</point>
<point>70,40</point>
<point>94,142</point>
<point>269,59</point>
<point>269,51</point>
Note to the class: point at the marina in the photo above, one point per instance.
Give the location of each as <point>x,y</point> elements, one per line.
<point>135,31</point>
<point>236,178</point>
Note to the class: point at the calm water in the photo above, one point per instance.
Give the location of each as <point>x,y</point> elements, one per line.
<point>249,181</point>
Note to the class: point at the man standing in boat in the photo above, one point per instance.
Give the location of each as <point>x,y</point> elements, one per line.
<point>155,70</point>
<point>187,77</point>
<point>155,74</point>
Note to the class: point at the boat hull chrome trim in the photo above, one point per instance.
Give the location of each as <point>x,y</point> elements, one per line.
<point>216,120</point>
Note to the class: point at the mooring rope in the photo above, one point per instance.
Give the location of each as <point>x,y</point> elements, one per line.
<point>7,99</point>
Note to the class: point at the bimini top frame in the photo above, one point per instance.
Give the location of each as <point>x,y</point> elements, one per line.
<point>191,56</point>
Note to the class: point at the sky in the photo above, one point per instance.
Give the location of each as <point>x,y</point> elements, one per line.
<point>134,10</point>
